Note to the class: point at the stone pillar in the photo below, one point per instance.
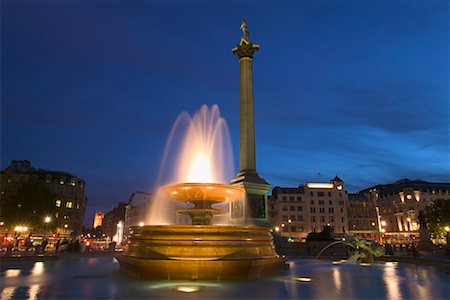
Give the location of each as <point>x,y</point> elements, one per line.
<point>254,210</point>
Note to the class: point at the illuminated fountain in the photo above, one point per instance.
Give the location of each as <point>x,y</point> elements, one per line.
<point>200,250</point>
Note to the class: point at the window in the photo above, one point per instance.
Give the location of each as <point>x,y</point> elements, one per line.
<point>321,202</point>
<point>330,202</point>
<point>342,210</point>
<point>311,193</point>
<point>285,218</point>
<point>322,219</point>
<point>284,198</point>
<point>299,198</point>
<point>330,210</point>
<point>285,208</point>
<point>312,202</point>
<point>313,209</point>
<point>69,204</point>
<point>313,218</point>
<point>292,208</point>
<point>299,208</point>
<point>320,194</point>
<point>329,194</point>
<point>322,209</point>
<point>291,198</point>
<point>300,218</point>
<point>293,228</point>
<point>342,219</point>
<point>331,219</point>
<point>58,203</point>
<point>292,218</point>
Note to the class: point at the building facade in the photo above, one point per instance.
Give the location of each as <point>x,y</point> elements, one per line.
<point>295,212</point>
<point>362,217</point>
<point>113,222</point>
<point>398,206</point>
<point>98,219</point>
<point>69,190</point>
<point>136,210</point>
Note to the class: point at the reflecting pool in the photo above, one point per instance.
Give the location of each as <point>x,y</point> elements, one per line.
<point>81,277</point>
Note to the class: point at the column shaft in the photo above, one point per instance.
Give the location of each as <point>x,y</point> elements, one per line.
<point>247,154</point>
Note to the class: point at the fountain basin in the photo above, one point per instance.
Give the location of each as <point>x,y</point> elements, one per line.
<point>200,253</point>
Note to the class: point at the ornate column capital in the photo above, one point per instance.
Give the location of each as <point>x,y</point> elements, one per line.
<point>245,49</point>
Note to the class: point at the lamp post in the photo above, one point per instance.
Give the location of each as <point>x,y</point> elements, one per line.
<point>47,220</point>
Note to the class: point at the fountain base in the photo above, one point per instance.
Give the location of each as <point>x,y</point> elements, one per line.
<point>190,252</point>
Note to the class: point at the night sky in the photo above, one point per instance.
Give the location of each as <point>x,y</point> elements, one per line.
<point>358,89</point>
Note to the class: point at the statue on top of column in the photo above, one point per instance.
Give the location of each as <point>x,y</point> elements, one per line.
<point>245,33</point>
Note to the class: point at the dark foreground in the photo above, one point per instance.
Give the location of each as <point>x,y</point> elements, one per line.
<point>98,277</point>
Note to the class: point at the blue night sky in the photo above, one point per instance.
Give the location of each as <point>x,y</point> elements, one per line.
<point>358,89</point>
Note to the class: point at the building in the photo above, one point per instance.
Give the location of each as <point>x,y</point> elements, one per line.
<point>98,219</point>
<point>398,206</point>
<point>69,191</point>
<point>136,210</point>
<point>295,212</point>
<point>114,220</point>
<point>362,217</point>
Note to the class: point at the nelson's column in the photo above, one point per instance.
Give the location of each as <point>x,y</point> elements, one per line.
<point>255,209</point>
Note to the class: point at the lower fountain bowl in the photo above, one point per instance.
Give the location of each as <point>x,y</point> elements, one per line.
<point>195,252</point>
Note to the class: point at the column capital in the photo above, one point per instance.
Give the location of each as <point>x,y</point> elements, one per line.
<point>245,49</point>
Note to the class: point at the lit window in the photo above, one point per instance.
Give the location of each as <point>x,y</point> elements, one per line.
<point>69,204</point>
<point>58,203</point>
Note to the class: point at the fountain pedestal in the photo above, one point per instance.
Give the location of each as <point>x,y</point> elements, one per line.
<point>193,252</point>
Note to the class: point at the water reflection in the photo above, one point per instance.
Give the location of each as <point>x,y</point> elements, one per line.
<point>390,278</point>
<point>337,279</point>
<point>12,272</point>
<point>38,268</point>
<point>33,292</point>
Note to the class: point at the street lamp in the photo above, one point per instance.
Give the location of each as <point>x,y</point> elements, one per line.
<point>46,220</point>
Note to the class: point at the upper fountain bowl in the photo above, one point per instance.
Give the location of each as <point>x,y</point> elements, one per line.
<point>211,192</point>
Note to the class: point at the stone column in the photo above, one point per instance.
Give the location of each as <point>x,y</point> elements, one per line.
<point>255,209</point>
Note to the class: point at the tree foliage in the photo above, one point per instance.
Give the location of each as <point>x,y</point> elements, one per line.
<point>437,216</point>
<point>31,203</point>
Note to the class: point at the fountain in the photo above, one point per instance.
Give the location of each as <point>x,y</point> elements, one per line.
<point>201,250</point>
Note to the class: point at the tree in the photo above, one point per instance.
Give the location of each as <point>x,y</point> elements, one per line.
<point>437,216</point>
<point>32,202</point>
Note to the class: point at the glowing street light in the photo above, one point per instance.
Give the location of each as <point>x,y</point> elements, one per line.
<point>447,228</point>
<point>277,229</point>
<point>47,220</point>
<point>141,224</point>
<point>383,223</point>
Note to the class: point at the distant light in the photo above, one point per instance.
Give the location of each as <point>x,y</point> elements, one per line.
<point>65,225</point>
<point>141,224</point>
<point>2,223</point>
<point>408,219</point>
<point>335,262</point>
<point>373,223</point>
<point>447,228</point>
<point>383,223</point>
<point>289,221</point>
<point>343,239</point>
<point>277,228</point>
<point>188,288</point>
<point>47,220</point>
<point>320,185</point>
<point>282,225</point>
<point>364,264</point>
<point>391,263</point>
<point>409,197</point>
